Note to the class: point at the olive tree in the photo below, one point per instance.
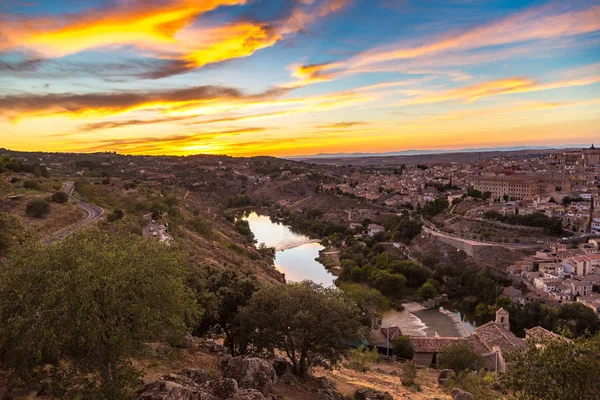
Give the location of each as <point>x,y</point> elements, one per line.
<point>305,320</point>
<point>89,302</point>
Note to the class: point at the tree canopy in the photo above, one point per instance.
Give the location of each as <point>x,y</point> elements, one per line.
<point>305,320</point>
<point>91,300</point>
<point>555,370</point>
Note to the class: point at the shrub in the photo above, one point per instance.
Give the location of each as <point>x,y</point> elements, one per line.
<point>60,197</point>
<point>403,347</point>
<point>115,216</point>
<point>37,208</point>
<point>460,357</point>
<point>31,184</point>
<point>361,358</point>
<point>409,374</point>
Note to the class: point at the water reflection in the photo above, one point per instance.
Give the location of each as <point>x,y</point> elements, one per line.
<point>296,253</point>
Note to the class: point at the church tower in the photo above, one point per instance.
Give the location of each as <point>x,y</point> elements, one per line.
<point>502,319</point>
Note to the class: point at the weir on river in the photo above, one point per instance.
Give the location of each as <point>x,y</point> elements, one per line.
<point>296,257</point>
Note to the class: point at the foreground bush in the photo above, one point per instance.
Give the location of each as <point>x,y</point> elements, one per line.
<point>558,369</point>
<point>86,304</point>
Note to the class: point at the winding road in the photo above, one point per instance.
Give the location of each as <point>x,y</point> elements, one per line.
<point>92,213</point>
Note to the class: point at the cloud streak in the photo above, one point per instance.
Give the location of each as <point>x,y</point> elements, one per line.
<point>531,25</point>
<point>164,30</point>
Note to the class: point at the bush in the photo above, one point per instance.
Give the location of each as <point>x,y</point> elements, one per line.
<point>459,357</point>
<point>403,347</point>
<point>31,184</point>
<point>37,208</point>
<point>115,216</point>
<point>201,226</point>
<point>409,374</point>
<point>60,197</point>
<point>361,358</point>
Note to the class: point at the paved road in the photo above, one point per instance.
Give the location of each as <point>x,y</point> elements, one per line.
<point>91,211</point>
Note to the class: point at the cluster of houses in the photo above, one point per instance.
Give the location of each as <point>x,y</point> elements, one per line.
<point>560,275</point>
<point>491,341</point>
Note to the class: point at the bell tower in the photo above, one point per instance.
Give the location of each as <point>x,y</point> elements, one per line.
<point>502,319</point>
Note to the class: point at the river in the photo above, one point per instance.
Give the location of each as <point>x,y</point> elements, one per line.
<point>295,253</point>
<point>296,257</point>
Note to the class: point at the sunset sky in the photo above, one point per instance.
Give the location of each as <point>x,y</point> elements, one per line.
<point>297,77</point>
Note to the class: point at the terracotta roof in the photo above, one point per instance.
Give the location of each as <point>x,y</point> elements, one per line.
<point>539,334</point>
<point>492,335</point>
<point>424,344</point>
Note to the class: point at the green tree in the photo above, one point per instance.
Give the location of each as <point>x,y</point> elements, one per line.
<point>223,294</point>
<point>403,347</point>
<point>243,227</point>
<point>485,313</point>
<point>388,283</point>
<point>428,290</point>
<point>371,303</point>
<point>305,320</point>
<point>87,303</point>
<point>60,197</point>
<point>37,208</point>
<point>555,370</point>
<point>459,357</point>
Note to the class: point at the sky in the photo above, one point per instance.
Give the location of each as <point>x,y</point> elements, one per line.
<point>297,77</point>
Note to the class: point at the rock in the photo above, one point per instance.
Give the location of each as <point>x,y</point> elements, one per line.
<point>174,387</point>
<point>444,375</point>
<point>459,394</point>
<point>289,379</point>
<point>250,373</point>
<point>199,376</point>
<point>370,394</point>
<point>223,388</point>
<point>247,394</point>
<point>281,366</point>
<point>208,346</point>
<point>329,394</point>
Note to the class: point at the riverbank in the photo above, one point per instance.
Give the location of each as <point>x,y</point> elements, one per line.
<point>329,257</point>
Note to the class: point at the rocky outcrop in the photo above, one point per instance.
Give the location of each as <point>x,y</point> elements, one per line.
<point>193,385</point>
<point>175,387</point>
<point>370,394</point>
<point>248,394</point>
<point>459,394</point>
<point>250,373</point>
<point>223,388</point>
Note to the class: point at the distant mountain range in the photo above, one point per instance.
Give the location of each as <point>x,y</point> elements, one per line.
<point>425,152</point>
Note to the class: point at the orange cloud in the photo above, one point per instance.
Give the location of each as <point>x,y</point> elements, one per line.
<point>163,30</point>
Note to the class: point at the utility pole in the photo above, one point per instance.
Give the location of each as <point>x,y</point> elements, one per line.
<point>387,341</point>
